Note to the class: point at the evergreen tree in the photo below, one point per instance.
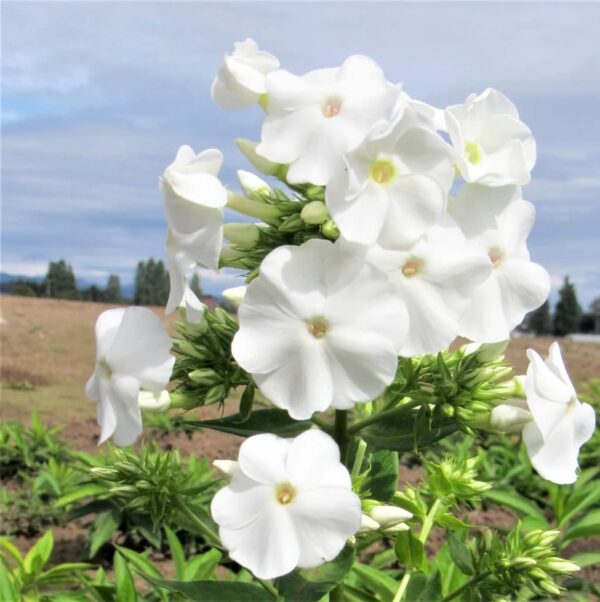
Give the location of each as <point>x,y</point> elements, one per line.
<point>195,285</point>
<point>151,283</point>
<point>567,315</point>
<point>112,294</point>
<point>595,311</point>
<point>23,289</point>
<point>60,281</point>
<point>141,294</point>
<point>540,320</point>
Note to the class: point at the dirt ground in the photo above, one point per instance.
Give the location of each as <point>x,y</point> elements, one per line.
<point>47,352</point>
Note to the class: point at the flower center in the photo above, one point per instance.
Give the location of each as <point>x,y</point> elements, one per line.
<point>332,107</point>
<point>382,171</point>
<point>317,327</point>
<point>411,268</point>
<point>496,256</point>
<point>472,151</point>
<point>104,369</point>
<point>284,493</point>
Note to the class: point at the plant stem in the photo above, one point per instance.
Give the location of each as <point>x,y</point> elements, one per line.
<point>378,416</point>
<point>467,585</point>
<point>337,593</point>
<point>322,424</point>
<point>427,524</point>
<point>268,587</point>
<point>358,459</point>
<point>340,432</point>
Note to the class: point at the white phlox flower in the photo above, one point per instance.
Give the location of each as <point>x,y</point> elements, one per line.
<point>312,120</point>
<point>561,423</point>
<point>241,79</point>
<point>194,200</point>
<point>289,504</point>
<point>516,285</point>
<point>395,184</point>
<point>133,352</point>
<point>492,146</point>
<point>319,327</point>
<point>181,253</point>
<point>434,280</point>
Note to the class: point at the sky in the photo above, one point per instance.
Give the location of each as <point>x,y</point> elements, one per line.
<point>98,96</point>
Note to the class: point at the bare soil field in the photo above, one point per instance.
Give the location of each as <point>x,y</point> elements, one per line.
<point>47,352</point>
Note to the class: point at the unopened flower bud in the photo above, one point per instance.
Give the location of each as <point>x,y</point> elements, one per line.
<point>550,587</point>
<point>330,230</point>
<point>367,524</point>
<point>153,402</point>
<point>314,213</point>
<point>293,223</point>
<point>234,295</point>
<point>487,352</point>
<point>560,565</point>
<point>263,165</point>
<point>549,537</point>
<point>204,376</point>
<point>523,562</point>
<point>227,467</point>
<point>447,410</point>
<point>509,418</point>
<point>252,186</point>
<point>243,236</point>
<point>389,516</point>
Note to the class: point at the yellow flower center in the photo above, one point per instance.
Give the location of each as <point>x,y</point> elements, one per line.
<point>332,107</point>
<point>104,369</point>
<point>496,256</point>
<point>411,268</point>
<point>284,493</point>
<point>382,171</point>
<point>472,151</point>
<point>317,327</point>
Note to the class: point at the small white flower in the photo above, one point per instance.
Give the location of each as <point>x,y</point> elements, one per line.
<point>434,280</point>
<point>241,79</point>
<point>182,255</point>
<point>194,201</point>
<point>319,327</point>
<point>493,147</point>
<point>312,120</point>
<point>133,352</point>
<point>154,402</point>
<point>395,184</point>
<point>561,423</point>
<point>499,222</point>
<point>289,504</point>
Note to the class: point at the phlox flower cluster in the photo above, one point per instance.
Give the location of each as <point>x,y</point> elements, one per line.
<point>419,236</point>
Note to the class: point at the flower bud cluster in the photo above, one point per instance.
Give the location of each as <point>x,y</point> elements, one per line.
<point>455,479</point>
<point>205,371</point>
<point>523,559</point>
<point>154,481</point>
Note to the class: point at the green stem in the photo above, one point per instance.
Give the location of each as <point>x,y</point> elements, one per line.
<point>467,585</point>
<point>340,432</point>
<point>268,587</point>
<point>377,417</point>
<point>322,424</point>
<point>358,459</point>
<point>337,594</point>
<point>427,525</point>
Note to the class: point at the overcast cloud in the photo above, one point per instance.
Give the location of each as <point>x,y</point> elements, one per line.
<point>97,97</point>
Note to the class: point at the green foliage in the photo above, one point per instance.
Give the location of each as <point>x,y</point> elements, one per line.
<point>23,289</point>
<point>24,578</point>
<point>112,293</point>
<point>539,321</point>
<point>60,281</point>
<point>151,283</point>
<point>567,314</point>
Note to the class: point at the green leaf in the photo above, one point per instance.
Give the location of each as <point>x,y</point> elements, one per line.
<point>247,401</point>
<point>177,553</point>
<point>580,502</point>
<point>449,521</point>
<point>104,526</point>
<point>124,580</point>
<point>516,502</point>
<point>39,554</point>
<point>398,433</point>
<point>139,562</point>
<point>310,585</point>
<point>584,559</point>
<point>425,588</point>
<point>377,581</point>
<point>89,490</point>
<point>382,479</point>
<point>587,526</point>
<point>272,420</point>
<point>460,553</point>
<point>409,550</point>
<point>452,578</point>
<point>7,589</point>
<point>202,566</point>
<point>223,591</point>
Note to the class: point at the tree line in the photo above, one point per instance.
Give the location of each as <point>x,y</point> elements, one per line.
<point>567,316</point>
<point>151,285</point>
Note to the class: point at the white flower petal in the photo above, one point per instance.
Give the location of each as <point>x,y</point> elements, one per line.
<point>262,458</point>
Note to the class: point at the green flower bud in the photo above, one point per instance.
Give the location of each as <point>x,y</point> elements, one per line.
<point>560,565</point>
<point>330,230</point>
<point>252,186</point>
<point>314,213</point>
<point>293,223</point>
<point>204,376</point>
<point>243,236</point>
<point>523,562</point>
<point>550,587</point>
<point>549,537</point>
